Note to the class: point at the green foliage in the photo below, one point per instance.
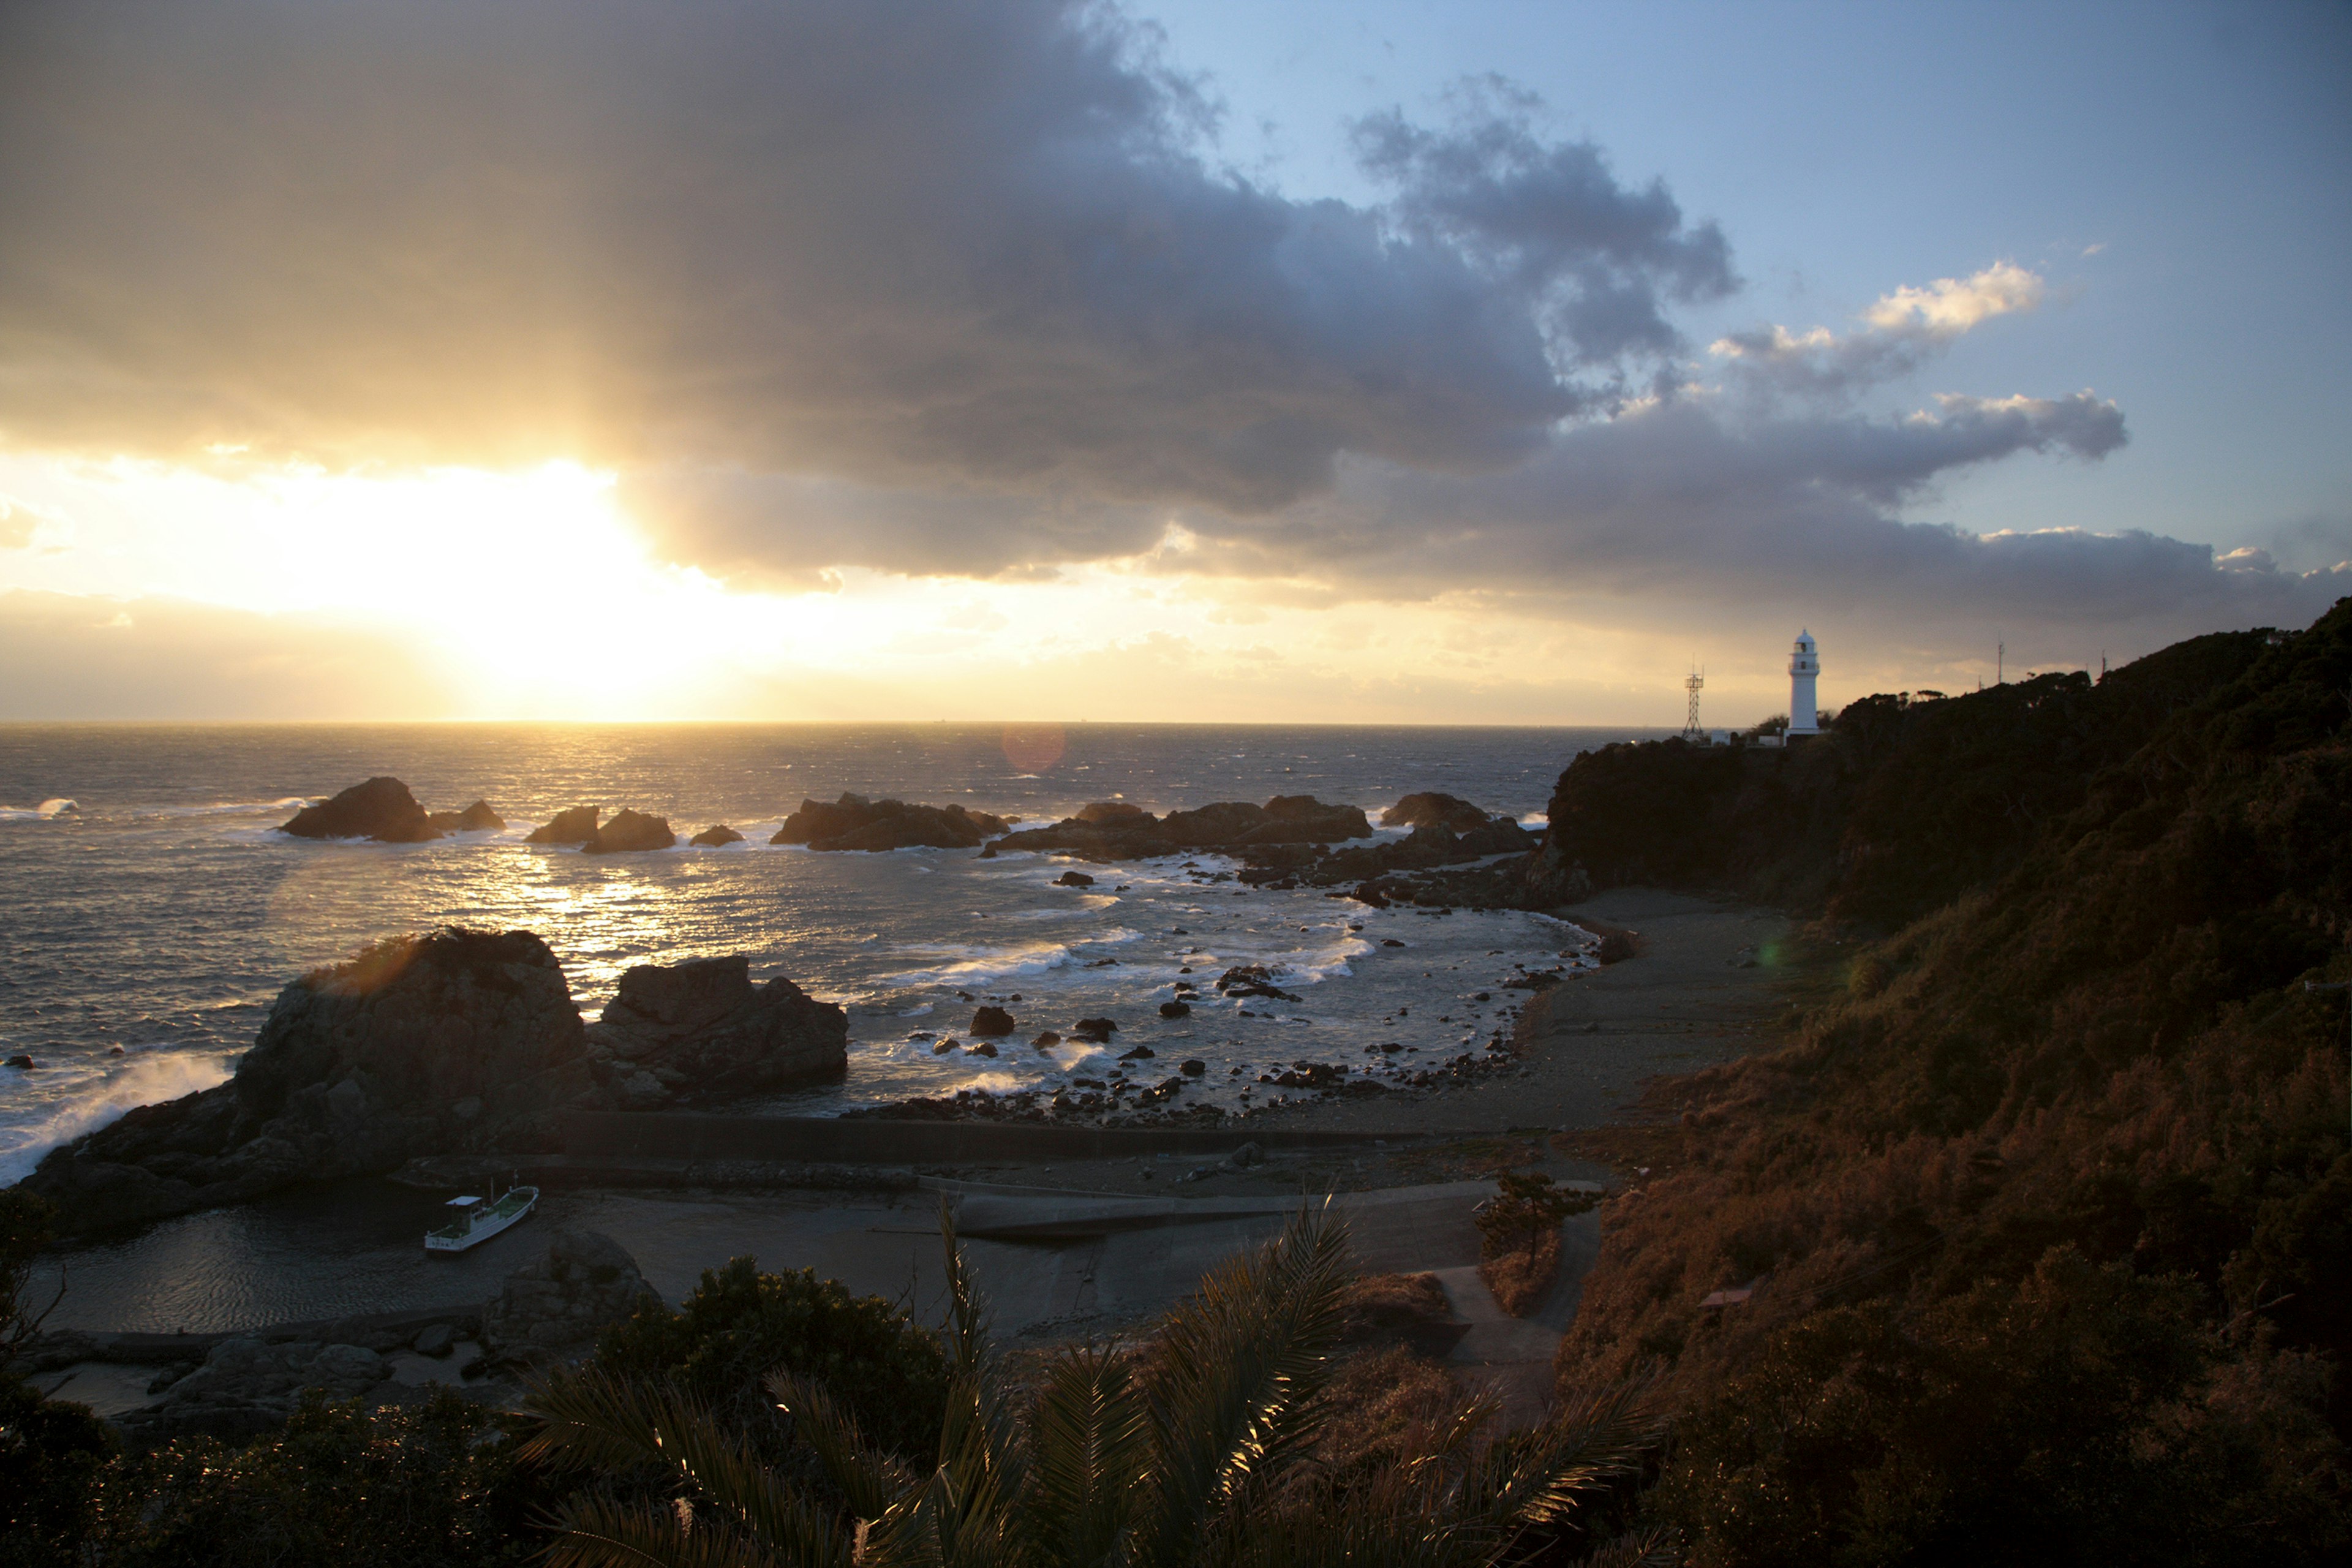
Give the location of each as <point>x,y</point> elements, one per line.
<point>2054,1198</point>
<point>1203,1449</point>
<point>1526,1206</point>
<point>739,1325</point>
<point>403,1488</point>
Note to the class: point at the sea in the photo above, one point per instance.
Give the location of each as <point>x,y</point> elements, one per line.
<point>149,911</point>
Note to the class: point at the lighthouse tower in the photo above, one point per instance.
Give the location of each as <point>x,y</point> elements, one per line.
<point>1804,667</point>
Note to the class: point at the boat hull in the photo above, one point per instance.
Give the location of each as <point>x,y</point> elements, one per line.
<point>504,1217</point>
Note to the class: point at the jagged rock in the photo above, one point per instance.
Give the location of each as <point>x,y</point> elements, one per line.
<point>1252,979</point>
<point>1046,1041</point>
<point>476,818</point>
<point>382,809</point>
<point>706,1023</point>
<point>630,832</point>
<point>852,822</point>
<point>993,1021</point>
<point>1098,1030</point>
<point>358,1068</point>
<point>247,1386</point>
<point>1112,830</point>
<point>1074,879</point>
<point>1137,1054</point>
<point>716,838</point>
<point>1433,808</point>
<point>984,1048</point>
<point>553,1309</point>
<point>1191,1066</point>
<point>575,825</point>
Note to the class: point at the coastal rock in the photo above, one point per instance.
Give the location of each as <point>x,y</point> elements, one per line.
<point>993,1021</point>
<point>23,1063</point>
<point>1431,808</point>
<point>247,1386</point>
<point>852,822</point>
<point>553,1309</point>
<point>1252,979</point>
<point>380,809</point>
<point>1114,830</point>
<point>705,1022</point>
<point>357,1069</point>
<point>1175,1009</point>
<point>1074,879</point>
<point>575,825</point>
<point>630,832</point>
<point>1098,1030</point>
<point>716,838</point>
<point>476,818</point>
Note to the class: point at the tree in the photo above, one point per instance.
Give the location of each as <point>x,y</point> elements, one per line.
<point>1190,1452</point>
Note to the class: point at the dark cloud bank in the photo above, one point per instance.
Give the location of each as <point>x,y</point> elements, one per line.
<point>954,288</point>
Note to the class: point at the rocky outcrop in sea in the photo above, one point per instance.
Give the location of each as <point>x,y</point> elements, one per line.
<point>380,809</point>
<point>854,821</point>
<point>453,1043</point>
<point>1115,830</point>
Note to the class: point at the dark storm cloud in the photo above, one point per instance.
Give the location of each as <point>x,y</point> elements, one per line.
<point>959,243</point>
<point>953,288</point>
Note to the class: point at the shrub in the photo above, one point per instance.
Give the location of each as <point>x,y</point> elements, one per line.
<point>740,1324</point>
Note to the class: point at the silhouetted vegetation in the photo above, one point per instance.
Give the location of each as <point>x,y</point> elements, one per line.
<point>2045,1220</point>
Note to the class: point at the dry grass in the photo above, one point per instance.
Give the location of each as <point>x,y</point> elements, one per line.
<point>1521,1279</point>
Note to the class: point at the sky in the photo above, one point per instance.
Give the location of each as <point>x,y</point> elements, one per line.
<point>1473,363</point>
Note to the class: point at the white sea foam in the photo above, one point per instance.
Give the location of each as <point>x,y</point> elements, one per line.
<point>55,805</point>
<point>95,1102</point>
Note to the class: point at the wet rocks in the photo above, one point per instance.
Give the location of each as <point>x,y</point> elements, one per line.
<point>993,1021</point>
<point>1175,1009</point>
<point>1431,808</point>
<point>1137,1054</point>
<point>1046,1041</point>
<point>553,1309</point>
<point>1115,830</point>
<point>703,1026</point>
<point>630,832</point>
<point>23,1063</point>
<point>1252,979</point>
<point>1098,1030</point>
<point>476,818</point>
<point>458,1041</point>
<point>246,1386</point>
<point>716,836</point>
<point>980,1048</point>
<point>1192,1067</point>
<point>575,825</point>
<point>1074,879</point>
<point>380,809</point>
<point>854,821</point>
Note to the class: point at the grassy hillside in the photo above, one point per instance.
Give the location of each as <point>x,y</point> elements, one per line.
<point>2048,1214</point>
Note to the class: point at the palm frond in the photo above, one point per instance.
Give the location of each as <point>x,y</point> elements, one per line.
<point>1238,1367</point>
<point>1658,1547</point>
<point>591,1420</point>
<point>598,1532</point>
<point>869,1479</point>
<point>1546,1476</point>
<point>1090,1456</point>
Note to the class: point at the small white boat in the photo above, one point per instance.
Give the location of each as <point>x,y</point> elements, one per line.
<point>478,1219</point>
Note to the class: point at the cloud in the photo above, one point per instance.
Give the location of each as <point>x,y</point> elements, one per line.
<point>1900,332</point>
<point>956,244</point>
<point>74,657</point>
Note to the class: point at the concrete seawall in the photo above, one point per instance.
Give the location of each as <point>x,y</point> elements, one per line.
<point>862,1141</point>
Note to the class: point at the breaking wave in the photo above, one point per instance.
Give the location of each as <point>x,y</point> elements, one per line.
<point>102,1100</point>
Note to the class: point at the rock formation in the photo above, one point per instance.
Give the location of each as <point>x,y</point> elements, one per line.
<point>247,1386</point>
<point>702,1026</point>
<point>460,1042</point>
<point>576,826</point>
<point>630,832</point>
<point>380,809</point>
<point>716,836</point>
<point>852,822</point>
<point>476,818</point>
<point>1115,830</point>
<point>553,1309</point>
<point>1429,808</point>
<point>992,1022</point>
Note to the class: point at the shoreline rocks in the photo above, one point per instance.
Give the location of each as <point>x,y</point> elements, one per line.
<point>1115,830</point>
<point>458,1042</point>
<point>476,818</point>
<point>716,836</point>
<point>553,1309</point>
<point>854,821</point>
<point>574,826</point>
<point>630,832</point>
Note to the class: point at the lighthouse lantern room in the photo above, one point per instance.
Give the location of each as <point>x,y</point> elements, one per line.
<point>1804,667</point>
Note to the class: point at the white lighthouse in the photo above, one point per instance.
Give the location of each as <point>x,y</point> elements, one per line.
<point>1804,667</point>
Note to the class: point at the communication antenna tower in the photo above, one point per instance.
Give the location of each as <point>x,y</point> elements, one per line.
<point>1691,683</point>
